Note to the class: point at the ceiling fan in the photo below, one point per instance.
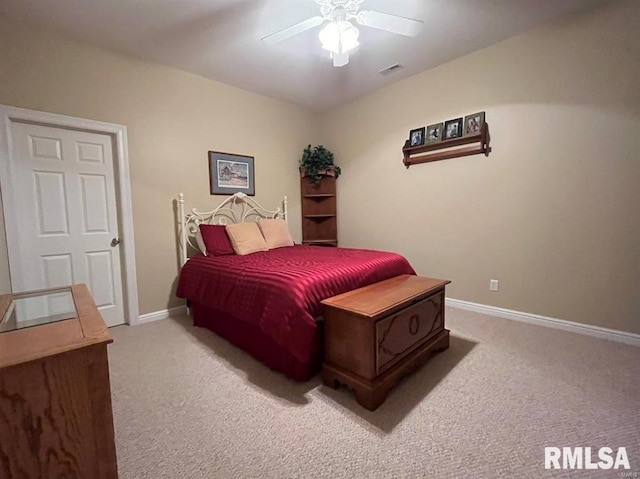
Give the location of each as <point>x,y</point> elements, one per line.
<point>340,35</point>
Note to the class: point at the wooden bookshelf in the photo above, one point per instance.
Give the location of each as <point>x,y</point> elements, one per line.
<point>319,216</point>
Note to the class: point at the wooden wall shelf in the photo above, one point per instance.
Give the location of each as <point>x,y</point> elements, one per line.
<point>414,155</point>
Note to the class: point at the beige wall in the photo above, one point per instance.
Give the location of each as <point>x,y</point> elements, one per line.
<point>553,212</point>
<point>173,119</point>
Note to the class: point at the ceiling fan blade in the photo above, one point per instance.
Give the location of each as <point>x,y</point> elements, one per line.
<point>293,30</point>
<point>391,23</point>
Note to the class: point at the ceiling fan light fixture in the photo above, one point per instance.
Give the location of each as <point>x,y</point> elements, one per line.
<point>339,37</point>
<point>349,38</point>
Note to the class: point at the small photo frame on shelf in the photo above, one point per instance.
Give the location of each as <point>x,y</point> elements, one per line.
<point>229,174</point>
<point>473,124</point>
<point>452,129</point>
<point>416,137</point>
<point>434,133</point>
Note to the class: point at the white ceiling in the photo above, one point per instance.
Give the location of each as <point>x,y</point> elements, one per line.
<point>220,39</point>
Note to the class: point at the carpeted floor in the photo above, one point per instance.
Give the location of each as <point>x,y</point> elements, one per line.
<point>189,405</point>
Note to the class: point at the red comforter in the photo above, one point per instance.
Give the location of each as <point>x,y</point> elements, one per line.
<point>279,291</point>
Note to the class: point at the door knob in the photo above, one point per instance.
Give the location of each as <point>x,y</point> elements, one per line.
<point>115,242</point>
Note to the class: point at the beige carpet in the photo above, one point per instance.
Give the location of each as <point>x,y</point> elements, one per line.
<point>189,405</point>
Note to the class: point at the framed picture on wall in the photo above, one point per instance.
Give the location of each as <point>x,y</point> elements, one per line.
<point>416,137</point>
<point>230,173</point>
<point>452,129</point>
<point>434,133</point>
<point>473,123</point>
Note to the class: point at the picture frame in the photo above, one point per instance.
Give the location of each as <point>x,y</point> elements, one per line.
<point>434,133</point>
<point>473,124</point>
<point>230,173</point>
<point>452,129</point>
<point>416,137</point>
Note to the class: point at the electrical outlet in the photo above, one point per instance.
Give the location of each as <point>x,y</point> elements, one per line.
<point>493,285</point>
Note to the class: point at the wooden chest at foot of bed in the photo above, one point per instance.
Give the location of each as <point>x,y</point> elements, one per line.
<point>377,334</point>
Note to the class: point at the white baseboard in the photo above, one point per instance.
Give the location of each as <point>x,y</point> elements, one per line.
<point>587,329</point>
<point>164,314</point>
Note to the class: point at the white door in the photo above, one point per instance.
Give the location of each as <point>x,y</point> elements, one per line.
<point>65,200</point>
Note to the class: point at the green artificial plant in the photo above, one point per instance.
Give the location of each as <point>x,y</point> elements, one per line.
<point>316,161</point>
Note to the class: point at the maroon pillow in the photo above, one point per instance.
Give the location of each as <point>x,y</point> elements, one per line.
<point>216,240</point>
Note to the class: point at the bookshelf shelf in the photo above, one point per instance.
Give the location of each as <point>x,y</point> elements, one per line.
<point>319,196</point>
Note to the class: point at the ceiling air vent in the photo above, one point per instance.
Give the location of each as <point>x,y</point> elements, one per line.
<point>389,70</point>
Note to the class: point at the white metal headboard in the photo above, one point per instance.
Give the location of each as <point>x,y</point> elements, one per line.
<point>237,208</point>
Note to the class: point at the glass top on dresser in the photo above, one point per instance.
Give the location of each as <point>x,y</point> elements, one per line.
<point>34,309</point>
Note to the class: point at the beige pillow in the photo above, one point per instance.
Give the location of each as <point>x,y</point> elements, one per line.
<point>276,233</point>
<point>246,238</point>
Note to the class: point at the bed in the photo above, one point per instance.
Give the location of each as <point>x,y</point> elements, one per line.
<point>268,303</point>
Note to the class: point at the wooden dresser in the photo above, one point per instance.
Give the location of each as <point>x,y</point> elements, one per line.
<point>55,397</point>
<point>376,334</point>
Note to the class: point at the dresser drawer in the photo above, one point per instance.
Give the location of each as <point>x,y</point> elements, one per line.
<point>400,333</point>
